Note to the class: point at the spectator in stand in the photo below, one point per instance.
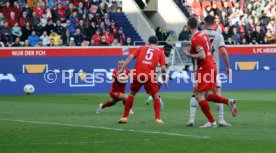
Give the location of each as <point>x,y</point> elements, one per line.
<point>82,28</point>
<point>97,37</point>
<point>219,27</point>
<point>2,19</point>
<point>229,41</point>
<point>109,36</point>
<point>269,37</point>
<point>39,9</point>
<point>249,36</point>
<point>72,42</point>
<point>236,37</point>
<point>91,30</point>
<point>54,36</point>
<point>49,26</point>
<point>116,43</point>
<point>45,39</point>
<point>60,30</point>
<point>159,34</point>
<point>26,31</point>
<point>34,19</point>
<point>71,27</point>
<point>166,33</point>
<point>184,34</point>
<point>16,31</point>
<point>33,39</point>
<point>241,29</point>
<point>78,37</point>
<point>17,43</point>
<point>128,42</point>
<point>171,38</point>
<point>103,42</point>
<point>52,43</point>
<point>121,36</point>
<point>7,9</point>
<point>101,10</point>
<point>70,10</point>
<point>12,19</point>
<point>74,19</point>
<point>39,44</point>
<point>6,33</point>
<point>2,44</point>
<point>226,33</point>
<point>17,10</point>
<point>243,42</point>
<point>24,19</point>
<point>259,35</point>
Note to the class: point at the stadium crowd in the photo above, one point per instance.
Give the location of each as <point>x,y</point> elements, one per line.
<point>60,23</point>
<point>240,21</point>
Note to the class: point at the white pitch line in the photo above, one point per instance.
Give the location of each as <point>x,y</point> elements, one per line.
<point>87,142</point>
<point>107,128</point>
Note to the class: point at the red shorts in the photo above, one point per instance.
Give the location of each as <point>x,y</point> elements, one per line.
<point>205,80</point>
<point>150,86</point>
<point>115,95</point>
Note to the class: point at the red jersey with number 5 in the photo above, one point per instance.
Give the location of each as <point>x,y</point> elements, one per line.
<point>201,42</point>
<point>148,58</point>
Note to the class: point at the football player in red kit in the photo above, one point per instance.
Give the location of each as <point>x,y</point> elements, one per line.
<point>205,79</point>
<point>148,57</point>
<point>117,90</point>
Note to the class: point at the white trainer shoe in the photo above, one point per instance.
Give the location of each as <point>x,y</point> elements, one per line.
<point>131,112</point>
<point>99,108</point>
<point>209,125</point>
<point>233,107</point>
<point>223,123</point>
<point>190,123</point>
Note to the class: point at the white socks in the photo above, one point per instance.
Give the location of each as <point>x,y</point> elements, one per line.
<point>220,111</point>
<point>193,104</point>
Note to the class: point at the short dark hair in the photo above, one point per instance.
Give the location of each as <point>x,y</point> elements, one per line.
<point>153,40</point>
<point>192,22</point>
<point>209,20</point>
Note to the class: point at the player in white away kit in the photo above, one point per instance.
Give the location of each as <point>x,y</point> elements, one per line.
<point>218,44</point>
<point>168,56</point>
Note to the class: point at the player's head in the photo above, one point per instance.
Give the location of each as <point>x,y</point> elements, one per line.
<point>209,21</point>
<point>153,40</point>
<point>192,23</point>
<point>121,62</point>
<point>167,49</point>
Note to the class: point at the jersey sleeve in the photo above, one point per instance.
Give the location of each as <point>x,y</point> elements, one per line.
<point>137,52</point>
<point>221,42</point>
<point>114,73</point>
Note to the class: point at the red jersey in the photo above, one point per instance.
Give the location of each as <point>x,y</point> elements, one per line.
<point>201,42</point>
<point>148,58</point>
<point>116,85</point>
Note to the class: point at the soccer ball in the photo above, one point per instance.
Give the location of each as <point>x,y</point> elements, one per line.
<point>29,89</point>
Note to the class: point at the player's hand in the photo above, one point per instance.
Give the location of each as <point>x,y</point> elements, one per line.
<point>119,71</point>
<point>228,71</point>
<point>166,85</point>
<point>187,52</point>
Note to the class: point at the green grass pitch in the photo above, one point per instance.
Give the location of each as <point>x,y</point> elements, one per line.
<point>69,124</point>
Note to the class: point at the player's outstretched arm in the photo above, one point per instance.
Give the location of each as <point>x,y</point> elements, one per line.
<point>128,60</point>
<point>224,54</point>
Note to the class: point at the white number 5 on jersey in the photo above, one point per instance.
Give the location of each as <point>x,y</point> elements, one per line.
<point>149,54</point>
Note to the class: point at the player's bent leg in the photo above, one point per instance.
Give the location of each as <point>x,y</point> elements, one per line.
<point>203,103</point>
<point>123,97</point>
<point>193,105</point>
<point>220,109</point>
<point>106,104</point>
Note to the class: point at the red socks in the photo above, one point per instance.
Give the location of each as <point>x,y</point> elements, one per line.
<point>217,99</point>
<point>128,105</point>
<point>206,110</point>
<point>107,104</point>
<point>157,108</point>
